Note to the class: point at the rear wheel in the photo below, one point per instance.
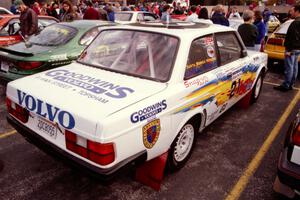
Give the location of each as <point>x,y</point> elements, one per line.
<point>182,146</point>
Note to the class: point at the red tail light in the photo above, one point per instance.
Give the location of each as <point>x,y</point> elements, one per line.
<point>17,111</point>
<point>102,154</point>
<point>296,136</point>
<point>29,65</point>
<point>275,41</point>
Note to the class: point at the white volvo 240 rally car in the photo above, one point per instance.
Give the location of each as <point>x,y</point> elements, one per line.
<point>136,92</point>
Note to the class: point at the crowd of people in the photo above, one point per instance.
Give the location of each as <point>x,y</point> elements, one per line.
<point>252,35</point>
<point>253,31</point>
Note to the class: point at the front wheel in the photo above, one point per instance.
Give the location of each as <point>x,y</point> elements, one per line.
<point>181,148</point>
<point>257,89</point>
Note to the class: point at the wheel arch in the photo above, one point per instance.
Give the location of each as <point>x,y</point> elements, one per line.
<point>197,118</point>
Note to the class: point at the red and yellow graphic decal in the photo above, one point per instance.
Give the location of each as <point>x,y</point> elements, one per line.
<point>222,89</point>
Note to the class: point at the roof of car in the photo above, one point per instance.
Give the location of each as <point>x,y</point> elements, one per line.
<point>83,24</point>
<point>181,27</point>
<point>7,11</point>
<point>132,12</point>
<point>18,16</point>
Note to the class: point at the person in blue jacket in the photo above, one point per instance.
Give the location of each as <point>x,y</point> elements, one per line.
<point>261,28</point>
<point>218,16</point>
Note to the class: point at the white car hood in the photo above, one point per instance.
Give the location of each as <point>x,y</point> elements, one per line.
<point>80,92</point>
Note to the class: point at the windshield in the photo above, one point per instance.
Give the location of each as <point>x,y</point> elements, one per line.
<point>123,16</point>
<point>137,53</point>
<point>283,28</point>
<point>54,35</point>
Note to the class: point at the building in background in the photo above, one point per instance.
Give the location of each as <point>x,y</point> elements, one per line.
<point>5,3</point>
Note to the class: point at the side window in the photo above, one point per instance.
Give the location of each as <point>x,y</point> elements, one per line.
<point>202,57</point>
<point>149,17</point>
<point>88,37</point>
<point>4,31</point>
<point>229,47</point>
<point>11,28</point>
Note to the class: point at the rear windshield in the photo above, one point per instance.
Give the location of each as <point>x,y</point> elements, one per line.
<point>54,35</point>
<point>143,54</point>
<point>283,28</point>
<point>47,22</point>
<point>123,16</point>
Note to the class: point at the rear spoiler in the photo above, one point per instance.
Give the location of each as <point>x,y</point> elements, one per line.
<point>18,53</point>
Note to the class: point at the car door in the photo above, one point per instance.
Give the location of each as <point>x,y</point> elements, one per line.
<point>234,66</point>
<point>202,78</point>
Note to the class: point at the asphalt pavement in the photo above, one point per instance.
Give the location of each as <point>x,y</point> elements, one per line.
<point>222,153</point>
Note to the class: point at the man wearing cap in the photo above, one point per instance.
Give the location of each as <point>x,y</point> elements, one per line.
<point>28,19</point>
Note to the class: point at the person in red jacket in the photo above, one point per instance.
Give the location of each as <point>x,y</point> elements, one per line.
<point>91,12</point>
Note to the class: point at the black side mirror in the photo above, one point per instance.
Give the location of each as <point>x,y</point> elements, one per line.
<point>244,53</point>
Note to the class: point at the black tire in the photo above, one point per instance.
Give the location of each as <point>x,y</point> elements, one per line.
<point>179,152</point>
<point>256,90</point>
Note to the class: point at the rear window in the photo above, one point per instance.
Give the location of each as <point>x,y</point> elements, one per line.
<point>123,16</point>
<point>143,54</point>
<point>54,35</point>
<point>46,22</point>
<point>283,28</point>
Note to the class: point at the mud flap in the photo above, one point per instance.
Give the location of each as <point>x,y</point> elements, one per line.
<point>283,189</point>
<point>245,102</point>
<point>151,172</point>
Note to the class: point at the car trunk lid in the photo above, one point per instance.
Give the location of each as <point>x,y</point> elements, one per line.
<point>78,97</point>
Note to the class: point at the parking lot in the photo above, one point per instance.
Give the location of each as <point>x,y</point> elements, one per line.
<point>218,169</point>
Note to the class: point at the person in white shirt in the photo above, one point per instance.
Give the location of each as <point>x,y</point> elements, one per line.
<point>193,16</point>
<point>234,14</point>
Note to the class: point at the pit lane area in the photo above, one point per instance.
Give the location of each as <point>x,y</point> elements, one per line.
<point>222,153</point>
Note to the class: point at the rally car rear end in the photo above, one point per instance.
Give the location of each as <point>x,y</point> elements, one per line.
<point>66,119</point>
<point>288,176</point>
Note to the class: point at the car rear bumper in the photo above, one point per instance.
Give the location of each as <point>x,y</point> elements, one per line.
<point>288,173</point>
<point>57,153</point>
<point>274,54</point>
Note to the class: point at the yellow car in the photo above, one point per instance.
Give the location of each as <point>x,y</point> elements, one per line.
<point>273,23</point>
<point>275,44</point>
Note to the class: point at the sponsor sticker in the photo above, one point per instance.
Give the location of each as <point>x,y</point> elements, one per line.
<point>89,84</point>
<point>58,57</point>
<point>196,82</point>
<point>151,133</point>
<point>210,51</point>
<point>46,110</point>
<point>148,112</point>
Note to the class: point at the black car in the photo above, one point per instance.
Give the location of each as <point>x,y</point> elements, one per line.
<point>288,175</point>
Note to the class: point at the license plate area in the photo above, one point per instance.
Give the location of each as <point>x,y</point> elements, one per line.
<point>46,127</point>
<point>4,66</point>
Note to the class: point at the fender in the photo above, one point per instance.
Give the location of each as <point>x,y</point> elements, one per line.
<point>262,69</point>
<point>187,117</point>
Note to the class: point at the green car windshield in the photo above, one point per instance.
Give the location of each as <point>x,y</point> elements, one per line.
<point>143,54</point>
<point>54,35</point>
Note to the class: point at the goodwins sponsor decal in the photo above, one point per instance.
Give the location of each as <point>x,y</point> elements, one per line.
<point>91,84</point>
<point>46,110</point>
<point>148,112</point>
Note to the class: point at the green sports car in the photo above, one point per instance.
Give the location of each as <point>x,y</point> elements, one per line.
<point>56,45</point>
